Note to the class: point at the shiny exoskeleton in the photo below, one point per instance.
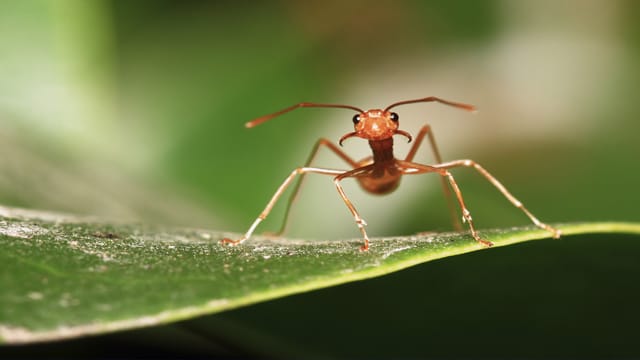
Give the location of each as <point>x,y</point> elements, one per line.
<point>381,172</point>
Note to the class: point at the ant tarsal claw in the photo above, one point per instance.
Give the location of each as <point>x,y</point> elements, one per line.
<point>230,242</point>
<point>486,243</point>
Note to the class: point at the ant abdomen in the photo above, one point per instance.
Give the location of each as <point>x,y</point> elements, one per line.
<point>379,186</point>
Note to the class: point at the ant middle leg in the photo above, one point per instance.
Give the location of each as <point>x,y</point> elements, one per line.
<point>409,168</point>
<point>263,215</point>
<point>470,163</point>
<point>359,172</point>
<point>426,131</point>
<point>296,188</point>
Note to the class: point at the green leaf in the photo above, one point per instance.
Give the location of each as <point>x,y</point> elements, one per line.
<point>65,277</point>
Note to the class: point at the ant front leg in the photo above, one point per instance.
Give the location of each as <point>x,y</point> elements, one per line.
<point>415,168</point>
<point>470,163</point>
<point>426,131</point>
<point>296,188</point>
<point>276,196</point>
<point>362,171</point>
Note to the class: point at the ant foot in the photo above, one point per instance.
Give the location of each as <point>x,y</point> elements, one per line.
<point>365,246</point>
<point>486,243</point>
<point>229,242</point>
<point>555,233</point>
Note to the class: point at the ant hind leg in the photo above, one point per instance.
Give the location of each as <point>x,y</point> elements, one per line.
<point>426,131</point>
<point>556,233</point>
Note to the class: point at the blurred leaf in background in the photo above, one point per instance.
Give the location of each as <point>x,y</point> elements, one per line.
<point>135,110</point>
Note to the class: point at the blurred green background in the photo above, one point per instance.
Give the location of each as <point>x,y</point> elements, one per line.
<point>134,110</point>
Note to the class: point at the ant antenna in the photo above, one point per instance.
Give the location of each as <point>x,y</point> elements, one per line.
<point>467,107</point>
<point>265,118</point>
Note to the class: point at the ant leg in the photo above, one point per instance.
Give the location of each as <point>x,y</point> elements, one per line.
<point>362,171</point>
<point>276,196</point>
<point>296,188</point>
<point>414,168</point>
<point>426,130</point>
<point>470,163</point>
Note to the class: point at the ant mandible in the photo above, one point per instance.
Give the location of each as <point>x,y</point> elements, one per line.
<point>381,173</point>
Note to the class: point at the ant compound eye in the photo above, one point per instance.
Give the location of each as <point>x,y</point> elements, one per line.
<point>356,118</point>
<point>394,117</point>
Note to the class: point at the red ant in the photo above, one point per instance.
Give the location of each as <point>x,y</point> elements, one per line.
<point>381,173</point>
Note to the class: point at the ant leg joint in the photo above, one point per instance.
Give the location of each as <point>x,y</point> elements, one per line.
<point>231,242</point>
<point>471,163</point>
<point>446,173</point>
<point>466,216</point>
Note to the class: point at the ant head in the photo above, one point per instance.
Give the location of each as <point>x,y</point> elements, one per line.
<point>371,125</point>
<point>375,125</point>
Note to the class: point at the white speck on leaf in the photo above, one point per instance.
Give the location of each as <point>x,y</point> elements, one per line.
<point>34,295</point>
<point>393,251</point>
<point>22,230</point>
<point>104,307</point>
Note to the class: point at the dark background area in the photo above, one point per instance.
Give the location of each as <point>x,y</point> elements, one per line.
<point>134,110</point>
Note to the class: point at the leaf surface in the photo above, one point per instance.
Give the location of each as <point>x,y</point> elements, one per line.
<point>64,277</point>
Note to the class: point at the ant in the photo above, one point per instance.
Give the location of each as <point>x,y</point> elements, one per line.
<point>381,173</point>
